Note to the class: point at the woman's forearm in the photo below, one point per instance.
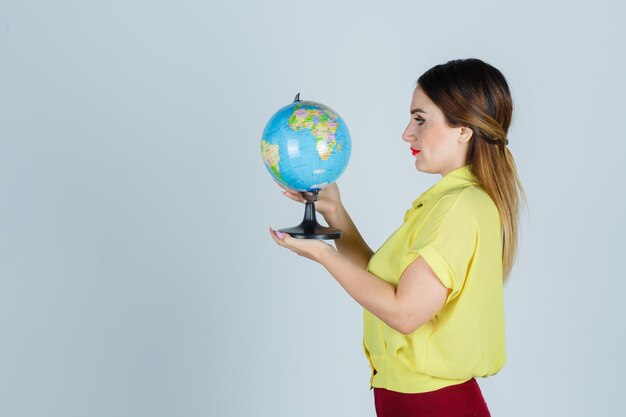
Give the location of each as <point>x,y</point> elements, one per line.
<point>351,244</point>
<point>374,294</point>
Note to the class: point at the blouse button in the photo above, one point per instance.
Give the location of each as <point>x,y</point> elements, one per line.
<point>419,205</point>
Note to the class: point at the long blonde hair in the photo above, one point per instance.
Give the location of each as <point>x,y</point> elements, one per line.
<point>473,93</point>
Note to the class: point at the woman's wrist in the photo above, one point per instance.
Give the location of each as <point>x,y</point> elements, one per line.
<point>326,254</point>
<point>334,215</point>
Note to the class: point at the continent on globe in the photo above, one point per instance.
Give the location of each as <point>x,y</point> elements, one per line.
<point>321,122</point>
<point>271,157</point>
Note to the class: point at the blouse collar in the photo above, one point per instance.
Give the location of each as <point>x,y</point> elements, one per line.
<point>460,177</point>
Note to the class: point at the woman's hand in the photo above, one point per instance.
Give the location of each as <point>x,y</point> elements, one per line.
<point>313,249</point>
<point>328,198</point>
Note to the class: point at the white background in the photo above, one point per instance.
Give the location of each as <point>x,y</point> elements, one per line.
<point>137,275</point>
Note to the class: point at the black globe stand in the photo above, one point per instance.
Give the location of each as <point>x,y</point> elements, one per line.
<point>310,228</point>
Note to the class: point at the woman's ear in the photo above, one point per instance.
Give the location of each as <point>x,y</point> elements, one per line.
<point>465,134</point>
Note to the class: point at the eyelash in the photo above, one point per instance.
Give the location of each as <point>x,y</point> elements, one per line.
<point>418,119</point>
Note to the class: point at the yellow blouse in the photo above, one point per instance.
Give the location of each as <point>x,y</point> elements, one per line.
<point>455,227</point>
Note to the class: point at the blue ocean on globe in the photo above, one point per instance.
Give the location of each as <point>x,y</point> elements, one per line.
<point>306,145</point>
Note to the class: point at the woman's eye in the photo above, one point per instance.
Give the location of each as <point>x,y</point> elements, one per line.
<point>420,120</point>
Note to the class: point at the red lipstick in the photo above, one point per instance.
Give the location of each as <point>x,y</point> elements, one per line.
<point>415,151</point>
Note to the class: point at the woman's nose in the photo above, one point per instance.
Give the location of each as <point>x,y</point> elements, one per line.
<point>408,136</point>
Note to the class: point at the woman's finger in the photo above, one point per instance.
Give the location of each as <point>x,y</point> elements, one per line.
<point>278,236</point>
<point>294,196</point>
<point>289,190</point>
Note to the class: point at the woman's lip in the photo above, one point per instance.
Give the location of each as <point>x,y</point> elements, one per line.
<point>415,151</point>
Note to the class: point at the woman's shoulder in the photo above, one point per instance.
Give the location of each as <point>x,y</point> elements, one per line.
<point>470,201</point>
<point>477,196</point>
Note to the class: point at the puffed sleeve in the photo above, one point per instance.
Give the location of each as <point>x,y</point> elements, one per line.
<point>447,241</point>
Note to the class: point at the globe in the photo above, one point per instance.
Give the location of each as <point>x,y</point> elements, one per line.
<point>306,146</point>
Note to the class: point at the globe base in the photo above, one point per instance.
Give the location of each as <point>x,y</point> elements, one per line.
<point>312,231</point>
<point>310,228</point>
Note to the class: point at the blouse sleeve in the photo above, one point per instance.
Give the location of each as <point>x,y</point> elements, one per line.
<point>447,242</point>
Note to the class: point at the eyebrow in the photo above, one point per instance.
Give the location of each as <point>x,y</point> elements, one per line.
<point>418,111</point>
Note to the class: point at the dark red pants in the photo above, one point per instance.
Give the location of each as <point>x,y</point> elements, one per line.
<point>459,400</point>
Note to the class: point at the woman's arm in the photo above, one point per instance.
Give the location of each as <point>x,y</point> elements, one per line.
<point>351,244</point>
<point>416,300</point>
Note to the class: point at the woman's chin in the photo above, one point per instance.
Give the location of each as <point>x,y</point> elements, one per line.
<point>421,168</point>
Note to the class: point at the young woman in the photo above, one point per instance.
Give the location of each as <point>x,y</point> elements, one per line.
<point>432,294</point>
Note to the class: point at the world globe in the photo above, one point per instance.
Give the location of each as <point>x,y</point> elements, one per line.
<point>306,146</point>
